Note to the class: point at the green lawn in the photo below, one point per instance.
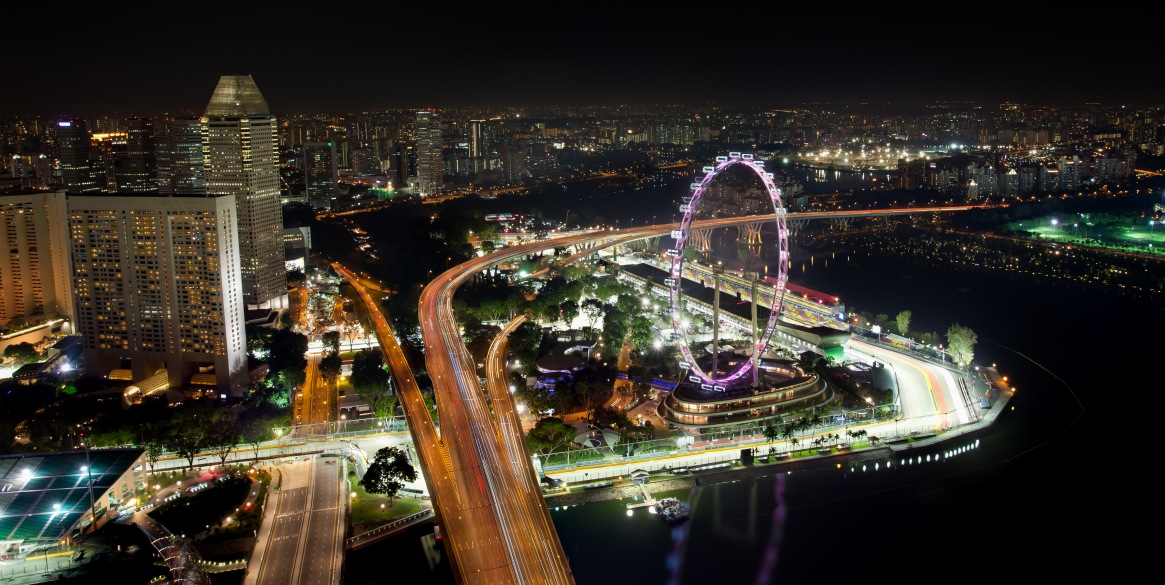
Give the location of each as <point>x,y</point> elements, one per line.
<point>366,511</point>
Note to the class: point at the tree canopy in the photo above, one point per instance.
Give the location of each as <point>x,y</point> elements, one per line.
<point>902,320</point>
<point>550,434</point>
<point>388,472</point>
<point>961,344</point>
<point>287,351</point>
<point>24,352</point>
<point>369,377</point>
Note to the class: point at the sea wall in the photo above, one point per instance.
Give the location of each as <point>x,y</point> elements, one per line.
<point>577,495</point>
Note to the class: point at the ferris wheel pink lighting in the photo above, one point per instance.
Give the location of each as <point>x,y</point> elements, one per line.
<point>688,208</point>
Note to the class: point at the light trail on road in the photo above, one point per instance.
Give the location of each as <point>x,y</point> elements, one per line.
<point>470,531</point>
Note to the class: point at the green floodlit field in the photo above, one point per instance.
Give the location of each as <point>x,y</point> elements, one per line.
<point>1136,239</point>
<point>1048,232</point>
<point>1142,236</point>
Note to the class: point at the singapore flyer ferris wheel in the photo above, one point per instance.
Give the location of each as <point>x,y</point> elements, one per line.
<point>714,380</point>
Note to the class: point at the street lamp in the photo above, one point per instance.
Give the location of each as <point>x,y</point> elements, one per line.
<point>56,510</point>
<point>89,471</point>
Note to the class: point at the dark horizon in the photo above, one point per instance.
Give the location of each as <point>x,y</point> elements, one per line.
<point>168,58</point>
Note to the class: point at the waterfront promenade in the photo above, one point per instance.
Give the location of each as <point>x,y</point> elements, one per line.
<point>610,481</point>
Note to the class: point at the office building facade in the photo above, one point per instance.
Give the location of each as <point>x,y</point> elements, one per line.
<point>430,164</point>
<point>180,158</point>
<point>239,142</point>
<point>139,172</point>
<point>76,156</point>
<point>321,173</point>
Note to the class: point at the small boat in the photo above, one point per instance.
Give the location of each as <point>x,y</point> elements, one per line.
<point>673,511</point>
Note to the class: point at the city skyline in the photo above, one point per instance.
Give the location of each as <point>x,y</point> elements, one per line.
<point>409,60</point>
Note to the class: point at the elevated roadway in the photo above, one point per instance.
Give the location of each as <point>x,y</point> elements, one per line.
<point>485,452</point>
<point>461,501</point>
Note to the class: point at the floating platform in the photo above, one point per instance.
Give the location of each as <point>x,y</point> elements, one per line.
<point>672,510</point>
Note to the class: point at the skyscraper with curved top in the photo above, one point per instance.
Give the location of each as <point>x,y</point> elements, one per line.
<point>241,158</point>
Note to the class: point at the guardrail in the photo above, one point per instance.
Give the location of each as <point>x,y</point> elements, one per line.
<point>371,536</point>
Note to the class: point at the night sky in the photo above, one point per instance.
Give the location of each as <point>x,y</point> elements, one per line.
<point>145,59</point>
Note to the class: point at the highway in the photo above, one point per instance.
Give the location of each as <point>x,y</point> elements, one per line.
<point>305,543</point>
<point>316,403</point>
<point>502,399</point>
<point>482,455</point>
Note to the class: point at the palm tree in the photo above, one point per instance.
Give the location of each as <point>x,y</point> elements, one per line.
<point>815,420</point>
<point>804,425</point>
<point>771,433</point>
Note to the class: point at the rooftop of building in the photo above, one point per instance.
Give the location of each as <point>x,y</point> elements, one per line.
<point>44,495</point>
<point>236,96</point>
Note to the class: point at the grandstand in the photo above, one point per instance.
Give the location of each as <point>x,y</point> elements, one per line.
<point>801,327</point>
<point>46,498</point>
<point>801,304</point>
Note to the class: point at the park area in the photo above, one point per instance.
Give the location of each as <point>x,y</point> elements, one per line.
<point>1110,232</point>
<point>368,511</point>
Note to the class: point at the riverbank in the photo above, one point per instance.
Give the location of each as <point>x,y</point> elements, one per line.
<point>760,466</point>
<point>622,488</point>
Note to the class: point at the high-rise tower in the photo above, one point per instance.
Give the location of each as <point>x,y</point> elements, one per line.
<point>156,288</point>
<point>430,164</point>
<point>139,174</point>
<point>75,145</point>
<point>320,173</point>
<point>34,262</point>
<point>179,155</point>
<point>239,143</point>
<point>477,138</point>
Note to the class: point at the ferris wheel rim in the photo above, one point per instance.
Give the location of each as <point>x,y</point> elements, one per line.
<point>676,274</point>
